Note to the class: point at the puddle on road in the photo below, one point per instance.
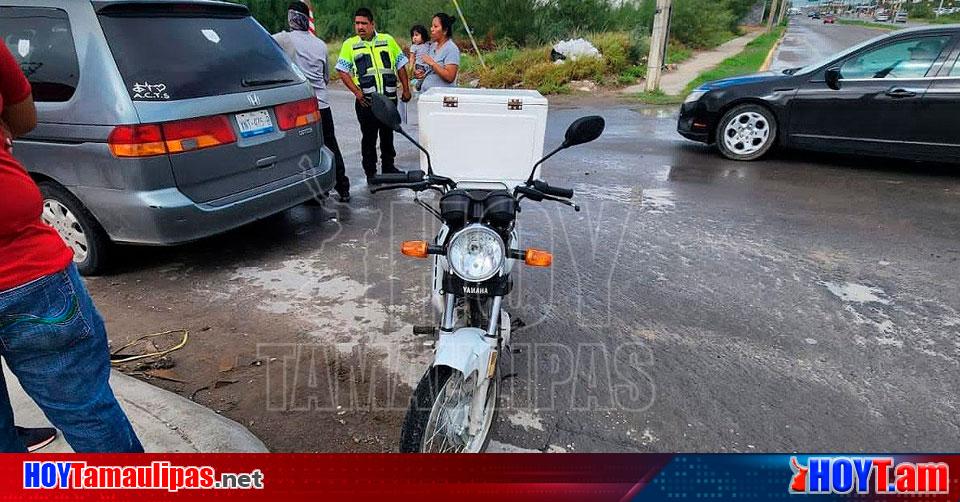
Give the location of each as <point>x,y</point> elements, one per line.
<point>653,200</point>
<point>339,310</point>
<point>866,305</point>
<point>658,112</point>
<point>498,447</point>
<point>527,420</point>
<point>857,293</point>
<point>611,193</point>
<point>658,200</point>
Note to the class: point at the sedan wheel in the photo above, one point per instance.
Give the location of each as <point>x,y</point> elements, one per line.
<point>746,132</point>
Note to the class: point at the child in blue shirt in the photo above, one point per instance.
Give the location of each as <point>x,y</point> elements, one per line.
<point>420,45</point>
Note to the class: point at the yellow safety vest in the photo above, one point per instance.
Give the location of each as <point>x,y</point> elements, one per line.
<point>374,63</point>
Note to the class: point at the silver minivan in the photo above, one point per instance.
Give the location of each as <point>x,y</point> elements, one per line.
<point>161,122</point>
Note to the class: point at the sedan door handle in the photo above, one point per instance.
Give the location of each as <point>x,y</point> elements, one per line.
<point>899,93</point>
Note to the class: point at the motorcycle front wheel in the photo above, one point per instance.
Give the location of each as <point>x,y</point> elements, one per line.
<point>436,421</point>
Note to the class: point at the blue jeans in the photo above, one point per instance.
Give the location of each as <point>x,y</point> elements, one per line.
<point>54,341</point>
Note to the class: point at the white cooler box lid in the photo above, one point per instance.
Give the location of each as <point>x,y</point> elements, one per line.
<point>482,141</point>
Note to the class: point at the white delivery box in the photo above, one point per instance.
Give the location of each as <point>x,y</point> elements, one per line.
<point>483,137</point>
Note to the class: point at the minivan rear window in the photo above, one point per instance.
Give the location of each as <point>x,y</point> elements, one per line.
<point>172,55</point>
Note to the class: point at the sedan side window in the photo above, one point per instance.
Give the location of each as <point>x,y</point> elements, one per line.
<point>905,59</point>
<point>955,72</point>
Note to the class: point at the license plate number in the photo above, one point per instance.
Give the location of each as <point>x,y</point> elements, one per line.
<point>254,123</point>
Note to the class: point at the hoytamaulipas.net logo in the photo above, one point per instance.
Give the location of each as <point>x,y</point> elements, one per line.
<point>868,475</point>
<point>156,476</point>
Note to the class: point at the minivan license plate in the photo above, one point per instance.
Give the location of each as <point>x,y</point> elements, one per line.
<point>254,123</point>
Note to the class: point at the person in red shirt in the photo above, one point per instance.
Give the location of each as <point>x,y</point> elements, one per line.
<point>51,335</point>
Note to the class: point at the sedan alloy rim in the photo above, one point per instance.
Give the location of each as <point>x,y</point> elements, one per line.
<point>747,133</point>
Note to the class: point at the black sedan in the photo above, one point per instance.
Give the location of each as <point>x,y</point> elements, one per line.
<point>897,96</point>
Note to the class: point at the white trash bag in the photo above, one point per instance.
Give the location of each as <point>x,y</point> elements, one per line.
<point>572,50</point>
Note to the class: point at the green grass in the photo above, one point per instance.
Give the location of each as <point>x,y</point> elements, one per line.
<point>868,24</point>
<point>950,19</point>
<point>678,53</point>
<point>659,98</point>
<point>747,61</point>
<point>531,67</point>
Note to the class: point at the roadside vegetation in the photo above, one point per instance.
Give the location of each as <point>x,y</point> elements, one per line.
<point>870,24</point>
<point>949,19</point>
<point>748,61</point>
<point>917,13</point>
<point>516,36</point>
<point>924,13</point>
<point>660,98</point>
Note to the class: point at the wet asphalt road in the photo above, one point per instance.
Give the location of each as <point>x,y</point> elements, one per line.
<point>802,302</point>
<point>810,40</point>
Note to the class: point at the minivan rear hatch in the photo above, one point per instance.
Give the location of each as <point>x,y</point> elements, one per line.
<point>208,72</point>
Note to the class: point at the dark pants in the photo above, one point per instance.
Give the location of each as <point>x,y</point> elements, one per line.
<point>54,341</point>
<point>330,141</point>
<point>370,130</point>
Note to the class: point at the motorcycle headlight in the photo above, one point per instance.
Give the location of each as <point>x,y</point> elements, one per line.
<point>694,96</point>
<point>476,253</point>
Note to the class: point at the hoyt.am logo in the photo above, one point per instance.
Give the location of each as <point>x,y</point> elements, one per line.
<point>873,475</point>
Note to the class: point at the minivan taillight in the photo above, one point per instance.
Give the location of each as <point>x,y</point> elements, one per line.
<point>148,140</point>
<point>137,141</point>
<point>297,114</point>
<point>197,134</point>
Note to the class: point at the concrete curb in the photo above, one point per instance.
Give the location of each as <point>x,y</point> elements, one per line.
<point>767,62</point>
<point>164,421</point>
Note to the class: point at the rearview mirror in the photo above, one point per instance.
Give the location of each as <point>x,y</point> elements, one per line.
<point>832,78</point>
<point>584,130</point>
<point>385,111</point>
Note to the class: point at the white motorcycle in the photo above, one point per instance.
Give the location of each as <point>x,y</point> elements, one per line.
<point>453,407</point>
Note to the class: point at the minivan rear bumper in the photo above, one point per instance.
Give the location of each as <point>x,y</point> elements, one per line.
<point>167,216</point>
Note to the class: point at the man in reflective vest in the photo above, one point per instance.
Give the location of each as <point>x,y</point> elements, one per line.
<point>371,63</point>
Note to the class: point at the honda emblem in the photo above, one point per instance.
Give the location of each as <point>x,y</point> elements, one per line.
<point>253,99</point>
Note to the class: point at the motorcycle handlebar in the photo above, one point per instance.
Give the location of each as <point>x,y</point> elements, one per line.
<point>408,177</point>
<point>416,187</point>
<point>542,186</point>
<point>531,193</point>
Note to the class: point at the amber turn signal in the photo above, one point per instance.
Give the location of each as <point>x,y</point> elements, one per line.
<point>538,258</point>
<point>415,249</point>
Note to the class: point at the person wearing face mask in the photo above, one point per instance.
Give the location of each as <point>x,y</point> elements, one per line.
<point>310,55</point>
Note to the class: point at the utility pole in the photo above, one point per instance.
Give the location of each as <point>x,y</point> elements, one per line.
<point>658,44</point>
<point>783,10</point>
<point>773,11</point>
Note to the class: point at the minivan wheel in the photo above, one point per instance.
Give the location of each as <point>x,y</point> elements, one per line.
<point>76,226</point>
<point>746,132</point>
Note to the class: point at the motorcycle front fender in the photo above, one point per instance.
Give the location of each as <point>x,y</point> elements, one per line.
<point>465,350</point>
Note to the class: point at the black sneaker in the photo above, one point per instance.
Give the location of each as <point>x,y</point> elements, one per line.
<point>344,197</point>
<point>35,438</point>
